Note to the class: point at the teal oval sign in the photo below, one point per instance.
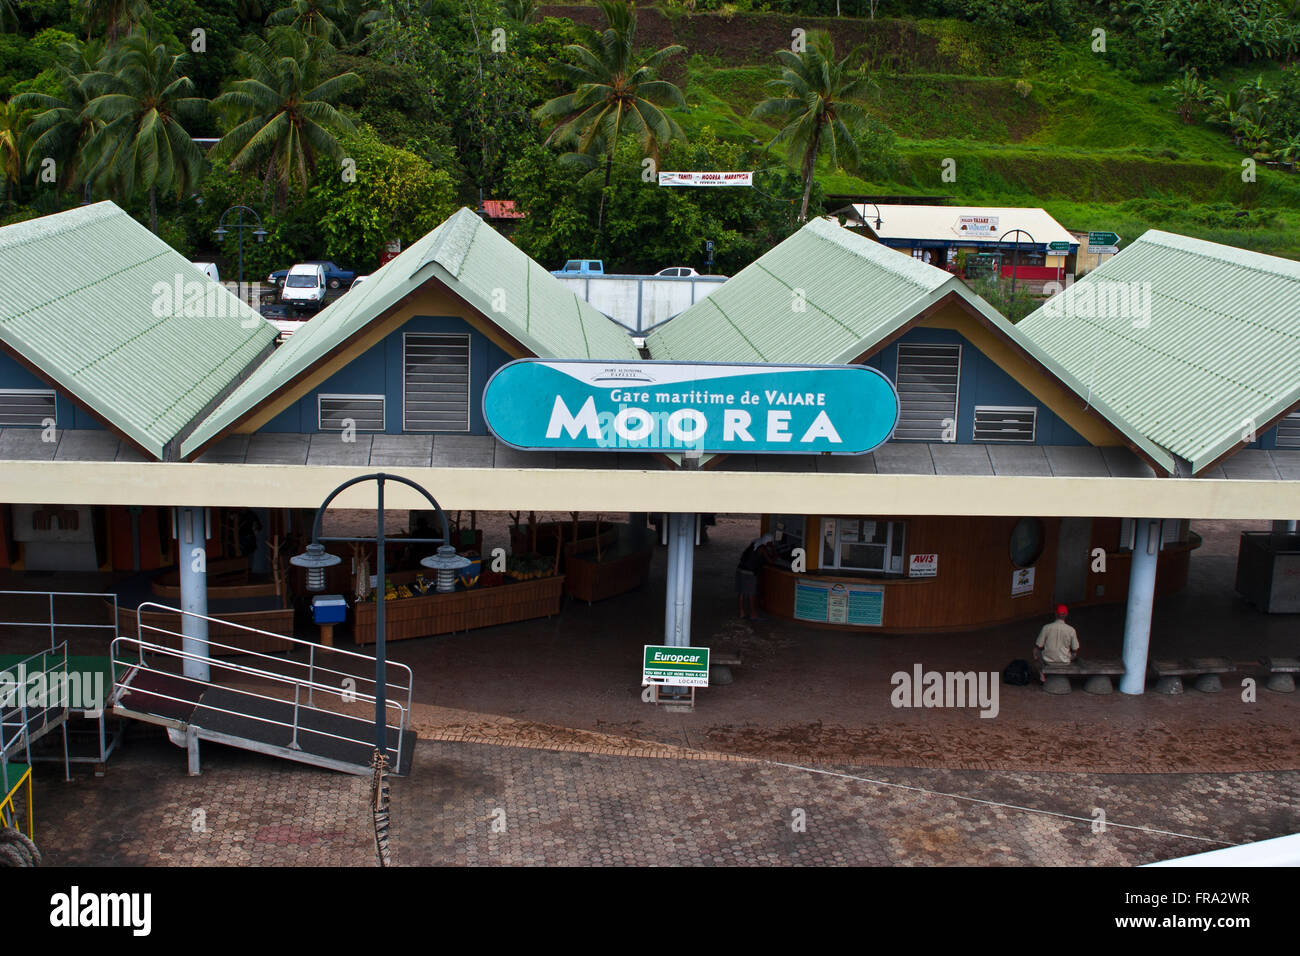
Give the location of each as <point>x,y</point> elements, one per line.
<point>673,407</point>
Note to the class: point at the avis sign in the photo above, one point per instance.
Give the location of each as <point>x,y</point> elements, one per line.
<point>670,406</point>
<point>681,666</point>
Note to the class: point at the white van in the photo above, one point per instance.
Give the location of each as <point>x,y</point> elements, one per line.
<point>209,269</point>
<point>304,286</point>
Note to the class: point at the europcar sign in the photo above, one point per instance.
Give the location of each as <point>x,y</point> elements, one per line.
<point>670,406</point>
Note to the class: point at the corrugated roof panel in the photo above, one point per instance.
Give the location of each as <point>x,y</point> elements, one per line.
<point>488,271</point>
<point>1192,341</point>
<point>814,298</point>
<point>121,321</point>
<point>856,293</point>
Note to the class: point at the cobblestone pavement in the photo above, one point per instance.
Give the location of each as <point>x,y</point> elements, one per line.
<point>482,804</point>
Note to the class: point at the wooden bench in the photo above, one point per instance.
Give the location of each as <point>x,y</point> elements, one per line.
<point>1097,674</point>
<point>1281,673</point>
<point>1168,673</point>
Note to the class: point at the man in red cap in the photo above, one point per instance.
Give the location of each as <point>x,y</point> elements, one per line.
<point>1057,643</point>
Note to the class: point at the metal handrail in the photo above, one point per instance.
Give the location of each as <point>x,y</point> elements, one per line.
<point>9,817</point>
<point>279,723</point>
<point>312,647</point>
<point>310,682</point>
<point>124,685</point>
<point>52,623</point>
<point>184,655</point>
<point>22,727</point>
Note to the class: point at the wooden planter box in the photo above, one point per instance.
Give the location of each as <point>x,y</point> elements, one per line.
<point>277,621</point>
<point>590,581</point>
<point>520,540</point>
<point>459,610</point>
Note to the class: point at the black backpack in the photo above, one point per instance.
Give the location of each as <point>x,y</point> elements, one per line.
<point>1017,672</point>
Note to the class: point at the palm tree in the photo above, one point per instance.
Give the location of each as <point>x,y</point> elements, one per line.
<point>613,92</point>
<point>139,141</point>
<point>13,147</point>
<point>283,112</point>
<point>115,16</point>
<point>314,19</point>
<point>819,101</point>
<point>60,127</point>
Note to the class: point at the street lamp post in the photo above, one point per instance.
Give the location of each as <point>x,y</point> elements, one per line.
<point>879,222</point>
<point>315,559</point>
<point>1015,253</point>
<point>222,231</point>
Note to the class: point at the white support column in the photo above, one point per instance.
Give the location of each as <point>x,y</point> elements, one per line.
<point>680,574</point>
<point>192,563</point>
<point>1141,600</point>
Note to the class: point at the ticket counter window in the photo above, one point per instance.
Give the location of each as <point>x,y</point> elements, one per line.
<point>854,544</point>
<point>788,531</point>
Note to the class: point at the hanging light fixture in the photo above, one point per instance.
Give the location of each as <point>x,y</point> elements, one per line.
<point>446,562</point>
<point>315,559</point>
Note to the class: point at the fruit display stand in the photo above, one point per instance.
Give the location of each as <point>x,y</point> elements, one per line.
<point>429,614</point>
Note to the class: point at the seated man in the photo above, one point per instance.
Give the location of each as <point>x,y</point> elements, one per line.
<point>1057,643</point>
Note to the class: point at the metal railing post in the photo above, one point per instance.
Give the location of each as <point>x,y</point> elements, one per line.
<point>293,744</point>
<point>311,676</point>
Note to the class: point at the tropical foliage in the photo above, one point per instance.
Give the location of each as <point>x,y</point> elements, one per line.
<point>138,139</point>
<point>283,118</point>
<point>818,101</point>
<point>613,92</point>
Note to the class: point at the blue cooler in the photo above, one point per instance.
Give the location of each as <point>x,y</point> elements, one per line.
<point>329,609</point>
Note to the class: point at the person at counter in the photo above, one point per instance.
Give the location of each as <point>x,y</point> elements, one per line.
<point>761,551</point>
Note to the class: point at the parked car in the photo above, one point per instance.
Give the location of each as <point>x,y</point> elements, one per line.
<point>304,286</point>
<point>357,281</point>
<point>582,267</point>
<point>677,271</point>
<point>336,277</point>
<point>209,269</point>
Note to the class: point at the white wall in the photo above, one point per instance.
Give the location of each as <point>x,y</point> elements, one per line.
<point>660,298</point>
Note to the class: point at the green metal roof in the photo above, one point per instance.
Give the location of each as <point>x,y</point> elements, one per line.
<point>828,296</point>
<point>82,301</point>
<point>480,266</point>
<point>1217,350</point>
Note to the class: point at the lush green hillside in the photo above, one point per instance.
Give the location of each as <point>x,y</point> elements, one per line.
<point>1028,120</point>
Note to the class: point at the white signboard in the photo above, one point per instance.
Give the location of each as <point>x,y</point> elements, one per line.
<point>983,227</point>
<point>923,566</point>
<point>707,179</point>
<point>1022,581</point>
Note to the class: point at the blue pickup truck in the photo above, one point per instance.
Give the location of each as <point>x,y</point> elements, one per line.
<point>581,267</point>
<point>335,276</point>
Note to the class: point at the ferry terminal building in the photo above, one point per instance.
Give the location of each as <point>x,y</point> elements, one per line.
<point>1022,451</point>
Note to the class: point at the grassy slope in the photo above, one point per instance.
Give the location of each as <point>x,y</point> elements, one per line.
<point>1095,149</point>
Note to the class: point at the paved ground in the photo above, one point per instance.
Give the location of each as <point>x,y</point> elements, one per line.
<point>479,804</point>
<point>543,721</point>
